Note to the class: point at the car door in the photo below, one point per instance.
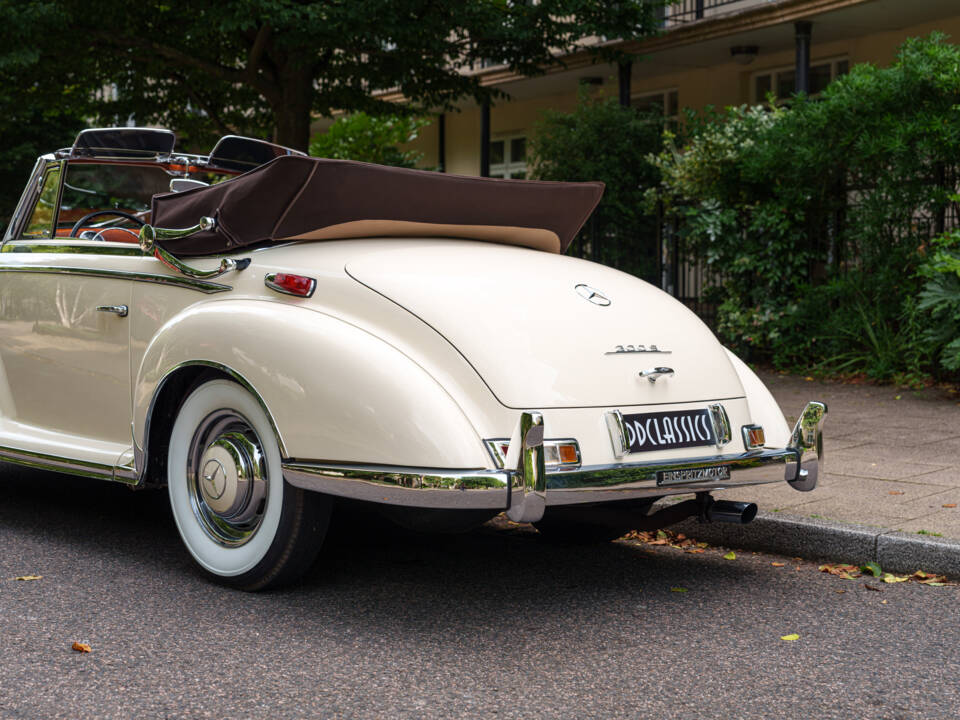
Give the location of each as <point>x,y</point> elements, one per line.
<point>64,329</point>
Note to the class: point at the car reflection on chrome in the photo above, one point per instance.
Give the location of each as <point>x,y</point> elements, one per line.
<point>266,334</point>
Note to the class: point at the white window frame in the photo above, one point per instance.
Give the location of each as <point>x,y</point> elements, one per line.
<point>774,73</point>
<point>508,167</point>
<point>664,97</point>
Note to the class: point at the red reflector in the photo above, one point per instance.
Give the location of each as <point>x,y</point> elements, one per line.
<point>298,285</point>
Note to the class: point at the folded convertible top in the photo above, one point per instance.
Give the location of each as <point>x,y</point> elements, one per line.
<point>301,198</point>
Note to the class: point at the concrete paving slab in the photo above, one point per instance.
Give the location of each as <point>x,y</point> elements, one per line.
<point>935,452</point>
<point>879,469</point>
<point>878,441</point>
<point>940,523</point>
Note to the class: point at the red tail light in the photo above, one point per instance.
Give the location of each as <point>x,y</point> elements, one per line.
<point>288,284</point>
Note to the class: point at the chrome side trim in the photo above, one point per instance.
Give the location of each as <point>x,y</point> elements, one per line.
<point>140,453</point>
<point>68,248</point>
<point>181,282</point>
<point>56,463</point>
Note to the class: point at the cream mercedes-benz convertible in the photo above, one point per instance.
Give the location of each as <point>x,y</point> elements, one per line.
<point>264,332</point>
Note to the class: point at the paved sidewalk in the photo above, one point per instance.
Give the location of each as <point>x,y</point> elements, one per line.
<point>892,458</point>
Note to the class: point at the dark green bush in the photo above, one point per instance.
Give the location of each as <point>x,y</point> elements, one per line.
<point>941,298</point>
<point>602,140</point>
<point>815,216</point>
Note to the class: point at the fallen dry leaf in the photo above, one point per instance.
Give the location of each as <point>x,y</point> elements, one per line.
<point>29,577</point>
<point>949,505</point>
<point>891,578</point>
<point>81,647</point>
<point>895,492</point>
<point>883,602</point>
<point>847,572</point>
<point>930,579</point>
<point>839,592</point>
<point>778,564</point>
<point>678,589</point>
<point>695,550</point>
<point>790,638</point>
<point>872,587</point>
<point>730,556</point>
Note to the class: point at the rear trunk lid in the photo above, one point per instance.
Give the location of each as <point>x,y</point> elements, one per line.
<point>549,331</point>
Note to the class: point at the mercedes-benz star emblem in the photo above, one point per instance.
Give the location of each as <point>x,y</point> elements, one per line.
<point>592,294</point>
<point>215,476</point>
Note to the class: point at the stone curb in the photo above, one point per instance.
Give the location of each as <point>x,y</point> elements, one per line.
<point>817,539</point>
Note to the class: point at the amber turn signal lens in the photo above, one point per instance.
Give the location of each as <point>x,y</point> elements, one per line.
<point>568,453</point>
<point>753,437</point>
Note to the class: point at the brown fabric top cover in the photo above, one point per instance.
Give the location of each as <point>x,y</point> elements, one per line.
<point>317,199</point>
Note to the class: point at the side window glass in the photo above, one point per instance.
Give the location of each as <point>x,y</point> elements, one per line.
<point>41,221</point>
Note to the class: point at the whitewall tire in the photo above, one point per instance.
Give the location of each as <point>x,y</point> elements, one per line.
<point>240,521</point>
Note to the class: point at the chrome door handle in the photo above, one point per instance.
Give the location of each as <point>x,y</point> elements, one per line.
<point>120,310</point>
<point>653,373</point>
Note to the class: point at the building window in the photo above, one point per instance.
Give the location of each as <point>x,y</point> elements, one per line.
<point>664,101</point>
<point>508,157</point>
<point>782,81</point>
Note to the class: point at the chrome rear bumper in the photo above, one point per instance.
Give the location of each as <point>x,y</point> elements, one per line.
<point>527,491</point>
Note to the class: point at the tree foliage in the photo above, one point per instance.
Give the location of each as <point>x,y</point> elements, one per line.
<point>264,67</point>
<point>602,140</point>
<point>817,215</point>
<point>370,138</point>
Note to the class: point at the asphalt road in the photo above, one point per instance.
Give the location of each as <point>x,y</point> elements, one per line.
<point>496,623</point>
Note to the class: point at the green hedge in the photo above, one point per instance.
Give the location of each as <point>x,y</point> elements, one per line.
<point>820,217</point>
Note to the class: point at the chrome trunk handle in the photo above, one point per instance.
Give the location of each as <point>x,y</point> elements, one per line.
<point>652,374</point>
<point>148,244</point>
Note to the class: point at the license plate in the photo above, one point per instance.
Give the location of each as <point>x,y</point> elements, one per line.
<point>647,432</point>
<point>694,475</point>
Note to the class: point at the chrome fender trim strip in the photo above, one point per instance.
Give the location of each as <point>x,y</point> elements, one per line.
<point>182,282</point>
<point>57,463</point>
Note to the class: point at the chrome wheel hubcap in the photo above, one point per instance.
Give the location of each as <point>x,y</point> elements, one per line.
<point>227,478</point>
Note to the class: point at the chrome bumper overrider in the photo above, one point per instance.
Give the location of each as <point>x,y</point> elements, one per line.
<point>526,491</point>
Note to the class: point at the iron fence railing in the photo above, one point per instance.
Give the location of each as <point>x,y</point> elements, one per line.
<point>690,10</point>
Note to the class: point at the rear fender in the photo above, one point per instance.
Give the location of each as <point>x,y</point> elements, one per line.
<point>334,391</point>
<point>764,410</point>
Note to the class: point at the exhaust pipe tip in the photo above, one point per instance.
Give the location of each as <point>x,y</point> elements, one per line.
<point>729,511</point>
